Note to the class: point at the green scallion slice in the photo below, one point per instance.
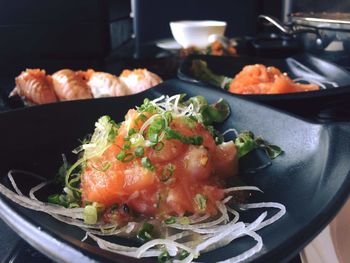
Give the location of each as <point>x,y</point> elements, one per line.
<point>158,147</point>
<point>139,151</point>
<point>145,233</point>
<point>201,201</point>
<point>167,172</point>
<point>90,215</point>
<point>170,220</point>
<point>146,162</point>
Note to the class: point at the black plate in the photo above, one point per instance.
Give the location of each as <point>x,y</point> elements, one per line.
<point>304,66</point>
<point>311,178</point>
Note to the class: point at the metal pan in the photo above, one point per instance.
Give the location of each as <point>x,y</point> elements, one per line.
<point>317,31</point>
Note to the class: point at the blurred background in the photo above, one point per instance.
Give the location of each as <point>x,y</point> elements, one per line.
<point>81,33</point>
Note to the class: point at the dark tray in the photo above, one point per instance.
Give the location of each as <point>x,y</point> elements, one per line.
<point>311,178</point>
<point>324,103</point>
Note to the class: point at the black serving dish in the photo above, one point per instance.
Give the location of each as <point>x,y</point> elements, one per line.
<point>305,66</point>
<point>311,178</point>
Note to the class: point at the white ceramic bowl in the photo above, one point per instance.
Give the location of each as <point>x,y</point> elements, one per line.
<point>190,33</point>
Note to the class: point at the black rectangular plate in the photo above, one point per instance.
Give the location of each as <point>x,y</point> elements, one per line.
<point>311,178</point>
<point>306,66</point>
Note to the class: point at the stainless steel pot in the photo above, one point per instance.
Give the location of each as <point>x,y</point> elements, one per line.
<point>317,31</point>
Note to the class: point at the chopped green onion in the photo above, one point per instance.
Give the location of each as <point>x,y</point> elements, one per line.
<point>131,132</point>
<point>128,158</point>
<point>201,201</point>
<point>90,215</point>
<point>54,199</point>
<point>183,254</point>
<point>120,156</point>
<point>158,147</point>
<point>145,233</point>
<point>157,124</point>
<point>168,116</point>
<point>153,137</point>
<point>139,151</point>
<point>136,139</point>
<point>173,134</point>
<point>142,117</point>
<point>198,101</point>
<point>126,145</point>
<point>245,143</point>
<point>167,172</point>
<point>104,167</point>
<point>125,157</point>
<point>147,106</point>
<point>218,138</point>
<point>170,220</point>
<point>73,205</point>
<point>271,150</point>
<point>216,112</point>
<point>146,162</point>
<point>189,122</point>
<point>184,220</point>
<point>114,207</point>
<point>163,257</point>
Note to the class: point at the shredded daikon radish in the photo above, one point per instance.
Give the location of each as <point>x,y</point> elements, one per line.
<point>271,220</point>
<point>242,188</point>
<point>320,83</point>
<point>13,183</point>
<point>37,188</point>
<point>208,235</point>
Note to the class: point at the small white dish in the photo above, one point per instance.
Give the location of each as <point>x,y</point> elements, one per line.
<point>189,33</point>
<point>168,44</point>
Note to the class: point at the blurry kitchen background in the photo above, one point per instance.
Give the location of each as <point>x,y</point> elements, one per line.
<point>112,35</point>
<point>88,32</point>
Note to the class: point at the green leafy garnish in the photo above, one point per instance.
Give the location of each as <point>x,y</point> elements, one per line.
<point>146,162</point>
<point>163,257</point>
<point>173,134</point>
<point>183,254</point>
<point>246,143</point>
<point>167,172</point>
<point>170,220</point>
<point>217,112</point>
<point>201,202</point>
<point>139,151</point>
<point>201,71</point>
<point>145,233</point>
<point>124,157</point>
<point>271,150</point>
<point>210,113</point>
<point>58,200</point>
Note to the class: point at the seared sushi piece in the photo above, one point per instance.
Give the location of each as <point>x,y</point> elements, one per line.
<point>69,85</point>
<point>35,87</point>
<point>104,84</point>
<point>139,80</point>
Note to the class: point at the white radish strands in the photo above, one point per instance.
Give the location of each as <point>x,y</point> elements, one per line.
<point>200,235</point>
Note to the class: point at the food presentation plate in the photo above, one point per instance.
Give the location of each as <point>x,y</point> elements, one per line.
<point>303,66</point>
<point>311,178</point>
